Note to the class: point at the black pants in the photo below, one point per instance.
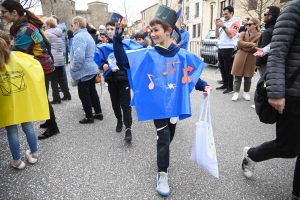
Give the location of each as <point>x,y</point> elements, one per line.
<point>50,122</point>
<point>120,99</point>
<point>287,142</point>
<point>88,95</point>
<point>165,134</point>
<point>225,60</point>
<point>58,78</point>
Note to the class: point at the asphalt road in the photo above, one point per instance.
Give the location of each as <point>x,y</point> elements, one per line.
<point>93,162</point>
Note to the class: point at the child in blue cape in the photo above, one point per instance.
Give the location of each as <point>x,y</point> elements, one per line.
<point>161,79</point>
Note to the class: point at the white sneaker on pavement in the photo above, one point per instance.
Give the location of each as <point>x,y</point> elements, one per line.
<point>246,96</point>
<point>162,184</point>
<point>253,106</point>
<point>31,159</point>
<point>247,164</point>
<point>235,96</point>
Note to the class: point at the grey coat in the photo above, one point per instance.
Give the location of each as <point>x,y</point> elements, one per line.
<point>82,56</point>
<point>54,36</point>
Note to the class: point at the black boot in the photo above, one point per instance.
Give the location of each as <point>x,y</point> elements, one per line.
<point>128,136</point>
<point>44,125</point>
<point>48,133</point>
<point>66,97</point>
<point>56,101</point>
<point>86,121</point>
<point>119,126</point>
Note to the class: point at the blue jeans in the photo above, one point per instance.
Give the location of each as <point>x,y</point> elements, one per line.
<point>13,139</point>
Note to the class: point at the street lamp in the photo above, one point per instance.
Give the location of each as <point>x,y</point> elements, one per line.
<point>212,6</point>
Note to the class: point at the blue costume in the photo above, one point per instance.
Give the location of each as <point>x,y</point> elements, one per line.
<point>161,79</point>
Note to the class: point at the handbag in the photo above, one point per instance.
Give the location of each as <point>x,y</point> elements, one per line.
<point>267,113</point>
<point>204,151</point>
<point>98,78</point>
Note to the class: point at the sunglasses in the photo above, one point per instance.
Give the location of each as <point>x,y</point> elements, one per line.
<point>265,14</point>
<point>249,24</point>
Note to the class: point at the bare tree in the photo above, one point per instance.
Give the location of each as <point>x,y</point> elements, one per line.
<point>29,3</point>
<point>256,8</point>
<point>129,15</point>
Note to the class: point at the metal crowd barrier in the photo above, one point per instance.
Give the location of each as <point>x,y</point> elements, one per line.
<point>207,50</point>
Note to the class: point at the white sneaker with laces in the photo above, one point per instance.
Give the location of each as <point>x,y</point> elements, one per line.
<point>235,96</point>
<point>31,159</point>
<point>246,96</point>
<point>162,184</point>
<point>247,164</point>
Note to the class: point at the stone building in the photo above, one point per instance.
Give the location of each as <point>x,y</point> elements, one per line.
<point>97,12</point>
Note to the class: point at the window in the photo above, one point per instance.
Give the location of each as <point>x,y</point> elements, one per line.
<point>199,30</point>
<point>197,10</point>
<point>223,5</point>
<point>187,12</point>
<point>194,31</point>
<point>252,5</point>
<point>54,1</point>
<point>72,12</point>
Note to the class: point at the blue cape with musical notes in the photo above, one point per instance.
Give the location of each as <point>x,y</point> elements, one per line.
<point>103,50</point>
<point>162,85</point>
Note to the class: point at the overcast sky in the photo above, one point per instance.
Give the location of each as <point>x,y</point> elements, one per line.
<point>133,7</point>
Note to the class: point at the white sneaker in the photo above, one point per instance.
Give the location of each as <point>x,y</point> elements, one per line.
<point>162,184</point>
<point>253,106</point>
<point>247,164</point>
<point>20,165</point>
<point>235,96</point>
<point>31,159</point>
<point>105,84</point>
<point>246,96</point>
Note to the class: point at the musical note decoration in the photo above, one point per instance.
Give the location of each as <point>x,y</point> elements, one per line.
<point>185,77</point>
<point>151,84</point>
<point>173,67</point>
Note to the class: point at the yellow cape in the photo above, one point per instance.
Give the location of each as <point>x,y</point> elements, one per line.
<point>22,91</point>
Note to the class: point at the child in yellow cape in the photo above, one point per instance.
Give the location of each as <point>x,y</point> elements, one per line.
<point>23,99</point>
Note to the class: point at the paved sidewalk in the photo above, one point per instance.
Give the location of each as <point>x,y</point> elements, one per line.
<point>92,161</point>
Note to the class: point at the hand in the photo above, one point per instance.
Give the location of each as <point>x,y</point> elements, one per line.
<point>220,23</point>
<point>207,88</point>
<point>105,67</point>
<point>121,24</point>
<point>178,45</point>
<point>216,22</point>
<point>259,52</point>
<point>278,104</point>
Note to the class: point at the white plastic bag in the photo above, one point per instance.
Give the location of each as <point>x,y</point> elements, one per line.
<point>204,151</point>
<point>112,63</point>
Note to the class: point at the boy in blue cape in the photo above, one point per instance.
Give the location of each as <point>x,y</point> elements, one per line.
<point>162,79</point>
<point>116,77</point>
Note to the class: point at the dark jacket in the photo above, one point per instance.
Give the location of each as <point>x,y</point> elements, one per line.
<point>265,39</point>
<point>284,55</point>
<point>119,75</point>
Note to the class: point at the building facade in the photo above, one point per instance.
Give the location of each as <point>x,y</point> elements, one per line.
<point>96,14</point>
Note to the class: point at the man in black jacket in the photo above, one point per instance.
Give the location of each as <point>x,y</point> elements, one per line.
<point>283,62</point>
<point>270,17</point>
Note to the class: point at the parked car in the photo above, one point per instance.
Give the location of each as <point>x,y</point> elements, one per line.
<point>209,49</point>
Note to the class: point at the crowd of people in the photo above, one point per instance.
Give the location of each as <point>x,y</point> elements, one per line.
<point>43,45</point>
